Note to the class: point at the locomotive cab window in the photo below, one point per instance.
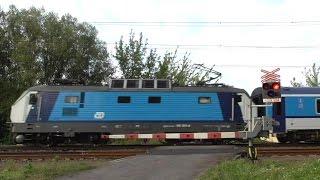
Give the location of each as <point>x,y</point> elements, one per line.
<point>71,99</point>
<point>153,99</point>
<point>318,106</point>
<point>124,99</point>
<point>33,99</point>
<point>204,100</point>
<point>238,98</point>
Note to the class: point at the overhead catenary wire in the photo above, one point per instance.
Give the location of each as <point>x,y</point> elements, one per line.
<point>206,23</point>
<point>191,46</point>
<point>205,46</point>
<point>258,66</point>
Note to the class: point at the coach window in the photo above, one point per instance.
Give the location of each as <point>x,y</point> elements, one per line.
<point>71,99</point>
<point>154,100</point>
<point>204,100</point>
<point>124,99</point>
<point>318,106</point>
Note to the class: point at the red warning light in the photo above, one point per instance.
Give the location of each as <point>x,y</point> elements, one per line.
<point>276,85</point>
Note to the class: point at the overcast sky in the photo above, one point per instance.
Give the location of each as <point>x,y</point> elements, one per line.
<point>252,35</point>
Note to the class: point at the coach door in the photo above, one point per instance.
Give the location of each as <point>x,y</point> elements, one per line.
<point>279,115</point>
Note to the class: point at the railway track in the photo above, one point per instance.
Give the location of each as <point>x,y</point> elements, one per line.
<point>72,154</point>
<point>79,147</point>
<point>288,151</point>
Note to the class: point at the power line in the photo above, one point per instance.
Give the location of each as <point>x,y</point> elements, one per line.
<point>206,23</point>
<point>259,66</point>
<point>205,46</point>
<point>197,46</point>
<point>203,22</point>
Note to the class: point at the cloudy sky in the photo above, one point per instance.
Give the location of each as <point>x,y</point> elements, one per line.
<point>239,37</point>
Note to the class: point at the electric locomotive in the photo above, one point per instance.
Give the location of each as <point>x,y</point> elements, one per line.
<point>85,113</point>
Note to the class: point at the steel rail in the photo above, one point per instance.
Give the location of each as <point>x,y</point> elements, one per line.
<point>27,155</point>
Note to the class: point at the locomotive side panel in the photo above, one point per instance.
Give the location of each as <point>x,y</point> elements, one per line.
<point>302,113</point>
<point>76,112</point>
<point>172,107</point>
<point>104,106</point>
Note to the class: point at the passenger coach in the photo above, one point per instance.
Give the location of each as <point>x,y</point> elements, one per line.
<point>298,113</point>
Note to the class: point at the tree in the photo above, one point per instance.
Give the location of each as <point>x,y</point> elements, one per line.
<point>37,47</point>
<point>294,83</point>
<point>137,61</point>
<point>131,57</point>
<point>311,76</point>
<point>80,55</point>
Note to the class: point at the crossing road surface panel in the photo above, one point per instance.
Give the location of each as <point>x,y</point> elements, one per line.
<point>162,163</point>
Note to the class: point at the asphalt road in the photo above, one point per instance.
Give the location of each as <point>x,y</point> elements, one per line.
<point>162,163</point>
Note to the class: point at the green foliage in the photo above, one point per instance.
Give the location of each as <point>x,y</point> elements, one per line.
<point>311,75</point>
<point>265,169</point>
<point>131,56</point>
<point>136,60</point>
<point>42,170</point>
<point>294,83</point>
<point>38,47</point>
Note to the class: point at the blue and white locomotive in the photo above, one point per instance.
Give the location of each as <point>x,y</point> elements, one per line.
<point>83,113</point>
<point>298,113</point>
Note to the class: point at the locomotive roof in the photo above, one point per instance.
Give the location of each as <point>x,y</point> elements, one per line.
<point>105,88</point>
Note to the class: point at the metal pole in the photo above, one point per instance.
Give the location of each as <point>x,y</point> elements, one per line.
<point>232,110</point>
<point>250,120</point>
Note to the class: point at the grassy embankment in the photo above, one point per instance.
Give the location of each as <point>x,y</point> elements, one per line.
<point>42,170</point>
<point>265,169</point>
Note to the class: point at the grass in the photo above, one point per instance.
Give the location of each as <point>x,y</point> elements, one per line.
<point>42,170</point>
<point>264,169</point>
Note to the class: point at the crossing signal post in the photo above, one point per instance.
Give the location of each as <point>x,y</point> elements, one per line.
<point>271,92</point>
<point>271,87</point>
